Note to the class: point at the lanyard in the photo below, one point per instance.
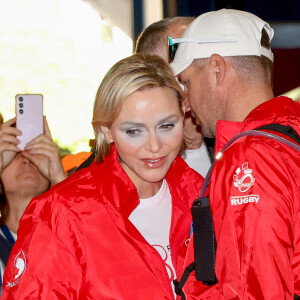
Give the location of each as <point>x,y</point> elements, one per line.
<point>8,234</point>
<point>11,240</point>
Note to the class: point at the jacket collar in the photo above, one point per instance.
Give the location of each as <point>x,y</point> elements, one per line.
<point>117,189</point>
<point>114,185</point>
<point>278,110</point>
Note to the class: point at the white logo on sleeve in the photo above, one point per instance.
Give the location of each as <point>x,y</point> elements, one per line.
<point>243,178</point>
<point>19,268</point>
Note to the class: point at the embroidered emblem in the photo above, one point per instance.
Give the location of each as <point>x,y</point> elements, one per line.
<point>19,268</point>
<point>243,178</point>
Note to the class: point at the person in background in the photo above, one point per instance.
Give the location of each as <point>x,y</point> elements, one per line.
<point>23,175</point>
<point>154,40</point>
<point>71,162</point>
<point>225,63</point>
<point>89,160</point>
<point>119,228</point>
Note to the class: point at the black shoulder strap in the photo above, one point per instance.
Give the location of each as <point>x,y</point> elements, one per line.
<point>286,130</point>
<point>204,242</point>
<point>5,249</point>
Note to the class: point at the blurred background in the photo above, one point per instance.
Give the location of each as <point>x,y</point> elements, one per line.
<point>63,48</point>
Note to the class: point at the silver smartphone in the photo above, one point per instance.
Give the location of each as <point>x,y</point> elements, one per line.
<point>29,113</point>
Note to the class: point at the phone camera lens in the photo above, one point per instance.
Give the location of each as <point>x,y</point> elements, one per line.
<point>21,111</point>
<point>21,98</point>
<point>20,104</point>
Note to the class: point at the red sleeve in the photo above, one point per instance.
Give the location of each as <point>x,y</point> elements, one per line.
<point>255,204</point>
<point>43,264</point>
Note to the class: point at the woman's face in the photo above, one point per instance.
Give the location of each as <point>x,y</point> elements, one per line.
<point>148,134</point>
<point>23,177</point>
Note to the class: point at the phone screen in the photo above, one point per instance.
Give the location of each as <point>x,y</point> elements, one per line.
<point>29,112</point>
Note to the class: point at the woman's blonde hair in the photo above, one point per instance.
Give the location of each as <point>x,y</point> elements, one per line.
<point>135,73</point>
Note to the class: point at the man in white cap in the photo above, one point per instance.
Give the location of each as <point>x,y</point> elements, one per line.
<point>225,62</point>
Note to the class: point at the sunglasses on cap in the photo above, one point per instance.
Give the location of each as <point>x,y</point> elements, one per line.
<point>174,43</point>
<point>172,46</point>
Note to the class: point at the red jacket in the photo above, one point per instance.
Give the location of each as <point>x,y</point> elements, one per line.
<point>255,201</point>
<point>78,243</point>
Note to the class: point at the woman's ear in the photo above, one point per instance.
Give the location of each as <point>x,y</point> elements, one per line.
<point>107,134</point>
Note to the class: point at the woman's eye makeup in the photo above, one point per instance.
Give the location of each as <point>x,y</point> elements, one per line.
<point>138,129</point>
<point>167,126</point>
<point>132,132</point>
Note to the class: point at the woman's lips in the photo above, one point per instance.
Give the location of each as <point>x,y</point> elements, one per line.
<point>154,162</point>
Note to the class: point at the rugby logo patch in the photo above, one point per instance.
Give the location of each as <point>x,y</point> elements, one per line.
<point>243,178</point>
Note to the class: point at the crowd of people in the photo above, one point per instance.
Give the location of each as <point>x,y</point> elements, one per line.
<point>120,226</point>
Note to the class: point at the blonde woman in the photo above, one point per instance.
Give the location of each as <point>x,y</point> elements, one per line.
<point>118,229</point>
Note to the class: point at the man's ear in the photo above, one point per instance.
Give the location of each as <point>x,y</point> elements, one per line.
<point>185,106</point>
<point>107,134</point>
<point>218,69</point>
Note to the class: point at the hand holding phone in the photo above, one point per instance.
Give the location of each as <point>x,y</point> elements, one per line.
<point>8,143</point>
<point>29,112</point>
<point>43,152</point>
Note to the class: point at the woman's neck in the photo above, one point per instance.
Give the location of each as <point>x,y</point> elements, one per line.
<point>144,188</point>
<point>148,190</point>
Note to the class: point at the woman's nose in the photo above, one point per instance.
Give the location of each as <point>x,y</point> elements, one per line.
<point>25,160</point>
<point>154,144</point>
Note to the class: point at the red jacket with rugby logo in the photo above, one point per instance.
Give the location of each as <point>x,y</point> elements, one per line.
<point>255,201</point>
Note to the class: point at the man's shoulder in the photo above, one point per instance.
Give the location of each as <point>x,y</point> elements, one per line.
<point>261,152</point>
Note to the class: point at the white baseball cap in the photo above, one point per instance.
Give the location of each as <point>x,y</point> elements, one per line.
<point>226,32</point>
